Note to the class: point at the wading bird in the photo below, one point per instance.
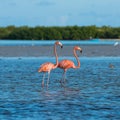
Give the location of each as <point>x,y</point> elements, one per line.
<point>48,66</point>
<point>67,64</point>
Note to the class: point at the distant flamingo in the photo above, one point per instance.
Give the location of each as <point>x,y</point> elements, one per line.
<point>48,66</point>
<point>67,64</point>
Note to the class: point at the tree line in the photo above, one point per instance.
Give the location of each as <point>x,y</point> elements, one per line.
<point>59,33</point>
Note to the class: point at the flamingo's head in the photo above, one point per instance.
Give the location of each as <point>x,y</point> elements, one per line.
<point>59,43</point>
<point>78,48</point>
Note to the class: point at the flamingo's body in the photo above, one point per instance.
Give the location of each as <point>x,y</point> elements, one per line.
<point>48,66</point>
<point>67,64</point>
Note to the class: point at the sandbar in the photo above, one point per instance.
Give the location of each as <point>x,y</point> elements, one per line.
<point>39,51</point>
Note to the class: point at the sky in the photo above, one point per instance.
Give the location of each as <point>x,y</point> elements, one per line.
<point>59,13</point>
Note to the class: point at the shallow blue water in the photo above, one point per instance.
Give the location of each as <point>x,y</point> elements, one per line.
<point>51,42</point>
<point>90,93</point>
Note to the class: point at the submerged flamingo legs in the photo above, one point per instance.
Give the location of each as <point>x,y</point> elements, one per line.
<point>43,80</point>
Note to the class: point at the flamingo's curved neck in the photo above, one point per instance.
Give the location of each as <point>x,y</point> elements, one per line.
<point>74,51</point>
<point>56,56</point>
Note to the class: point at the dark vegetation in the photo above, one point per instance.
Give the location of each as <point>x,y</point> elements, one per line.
<point>59,33</point>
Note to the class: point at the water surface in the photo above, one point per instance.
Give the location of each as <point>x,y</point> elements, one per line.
<point>51,42</point>
<point>90,93</point>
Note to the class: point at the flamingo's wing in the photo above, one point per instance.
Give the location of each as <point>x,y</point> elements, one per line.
<point>46,67</point>
<point>66,64</point>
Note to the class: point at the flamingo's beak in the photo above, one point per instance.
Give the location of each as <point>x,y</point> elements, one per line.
<point>61,46</point>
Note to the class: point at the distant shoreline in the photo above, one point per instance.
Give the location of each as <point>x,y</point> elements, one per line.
<point>40,51</point>
<point>109,39</point>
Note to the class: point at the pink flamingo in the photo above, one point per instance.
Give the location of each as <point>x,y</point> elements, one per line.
<point>48,66</point>
<point>67,64</point>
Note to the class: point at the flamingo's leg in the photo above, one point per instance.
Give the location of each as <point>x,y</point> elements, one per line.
<point>43,80</point>
<point>48,78</point>
<point>64,76</point>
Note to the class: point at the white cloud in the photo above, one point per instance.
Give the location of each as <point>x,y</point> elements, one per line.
<point>45,3</point>
<point>63,20</point>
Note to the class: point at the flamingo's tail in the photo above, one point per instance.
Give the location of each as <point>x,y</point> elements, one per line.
<point>39,70</point>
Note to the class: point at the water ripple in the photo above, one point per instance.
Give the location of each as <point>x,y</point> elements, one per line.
<point>90,93</point>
